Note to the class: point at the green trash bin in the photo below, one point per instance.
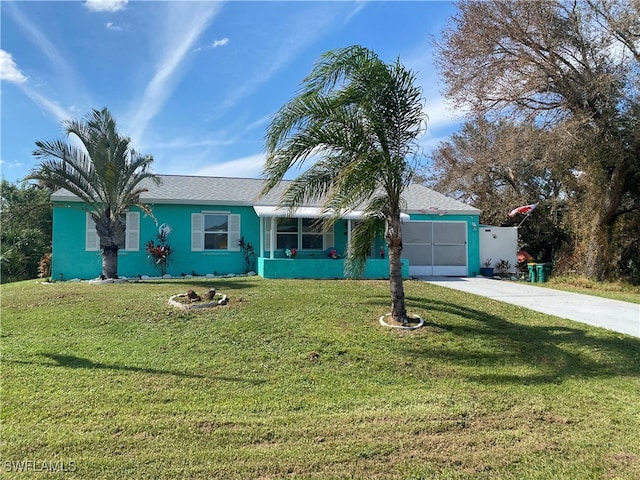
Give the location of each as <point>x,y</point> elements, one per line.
<point>543,271</point>
<point>532,272</point>
<point>547,268</point>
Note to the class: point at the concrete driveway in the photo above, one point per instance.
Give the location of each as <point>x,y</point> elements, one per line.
<point>613,315</point>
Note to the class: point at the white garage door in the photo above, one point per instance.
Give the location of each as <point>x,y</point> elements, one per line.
<point>435,248</point>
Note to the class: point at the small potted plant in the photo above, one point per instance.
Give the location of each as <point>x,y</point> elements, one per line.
<point>332,253</point>
<point>487,269</point>
<point>503,267</point>
<point>291,252</point>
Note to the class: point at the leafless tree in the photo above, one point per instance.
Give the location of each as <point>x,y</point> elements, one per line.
<point>497,166</point>
<point>567,66</point>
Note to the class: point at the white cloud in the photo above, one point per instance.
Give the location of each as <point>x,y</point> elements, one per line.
<point>302,31</point>
<point>63,75</point>
<point>220,43</point>
<point>9,71</point>
<point>186,21</point>
<point>37,38</point>
<point>216,43</point>
<point>105,5</point>
<point>441,115</point>
<point>443,118</point>
<point>246,167</point>
<point>113,26</point>
<point>259,123</point>
<point>183,144</point>
<point>360,4</point>
<point>50,106</point>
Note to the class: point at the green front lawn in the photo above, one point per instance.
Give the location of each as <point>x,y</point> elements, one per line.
<point>296,379</point>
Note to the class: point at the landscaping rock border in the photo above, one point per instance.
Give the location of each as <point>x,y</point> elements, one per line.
<point>194,306</point>
<point>142,278</point>
<point>403,327</point>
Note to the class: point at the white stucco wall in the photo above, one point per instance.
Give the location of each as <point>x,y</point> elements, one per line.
<point>499,243</point>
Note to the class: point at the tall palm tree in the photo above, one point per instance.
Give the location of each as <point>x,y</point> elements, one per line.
<point>357,120</point>
<point>103,171</point>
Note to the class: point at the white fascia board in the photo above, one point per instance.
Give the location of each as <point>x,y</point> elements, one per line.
<point>444,212</point>
<point>309,212</point>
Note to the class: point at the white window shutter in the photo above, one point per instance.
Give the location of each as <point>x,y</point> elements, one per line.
<point>133,232</point>
<point>234,233</point>
<point>197,235</point>
<point>92,241</point>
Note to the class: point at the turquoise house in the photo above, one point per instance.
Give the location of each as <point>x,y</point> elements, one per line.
<point>207,217</point>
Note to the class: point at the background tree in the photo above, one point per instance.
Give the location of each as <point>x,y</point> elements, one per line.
<point>360,118</point>
<point>25,229</point>
<point>103,171</point>
<point>571,66</point>
<point>497,166</point>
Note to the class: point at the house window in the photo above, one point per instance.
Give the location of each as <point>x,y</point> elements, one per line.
<point>287,233</point>
<point>131,242</point>
<point>300,233</point>
<point>311,234</point>
<point>215,231</point>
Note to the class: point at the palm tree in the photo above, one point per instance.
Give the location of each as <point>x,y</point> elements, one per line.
<point>357,120</point>
<point>103,171</point>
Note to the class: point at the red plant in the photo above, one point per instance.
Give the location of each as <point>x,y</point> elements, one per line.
<point>159,254</point>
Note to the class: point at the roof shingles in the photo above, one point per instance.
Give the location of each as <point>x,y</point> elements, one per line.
<point>184,189</point>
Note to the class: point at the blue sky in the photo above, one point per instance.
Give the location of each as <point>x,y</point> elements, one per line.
<point>192,83</point>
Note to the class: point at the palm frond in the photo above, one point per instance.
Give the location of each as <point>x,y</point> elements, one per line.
<point>358,120</point>
<point>338,65</point>
<point>103,170</point>
<point>362,237</point>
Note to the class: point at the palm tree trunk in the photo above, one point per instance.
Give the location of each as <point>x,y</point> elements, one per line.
<point>393,236</point>
<point>112,234</point>
<point>110,261</point>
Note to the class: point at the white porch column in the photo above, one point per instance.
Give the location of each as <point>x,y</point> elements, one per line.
<point>262,236</point>
<point>272,237</point>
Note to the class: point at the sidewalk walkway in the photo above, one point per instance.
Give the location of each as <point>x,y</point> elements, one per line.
<point>613,315</point>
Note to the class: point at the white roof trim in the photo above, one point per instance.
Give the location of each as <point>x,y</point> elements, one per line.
<point>309,212</point>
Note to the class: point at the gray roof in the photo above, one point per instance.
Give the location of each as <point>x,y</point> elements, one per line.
<point>420,199</point>
<point>193,190</point>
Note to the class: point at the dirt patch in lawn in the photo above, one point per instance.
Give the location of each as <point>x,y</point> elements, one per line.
<point>191,300</point>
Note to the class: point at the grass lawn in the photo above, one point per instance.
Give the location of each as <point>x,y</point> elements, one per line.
<point>614,290</point>
<point>297,379</point>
